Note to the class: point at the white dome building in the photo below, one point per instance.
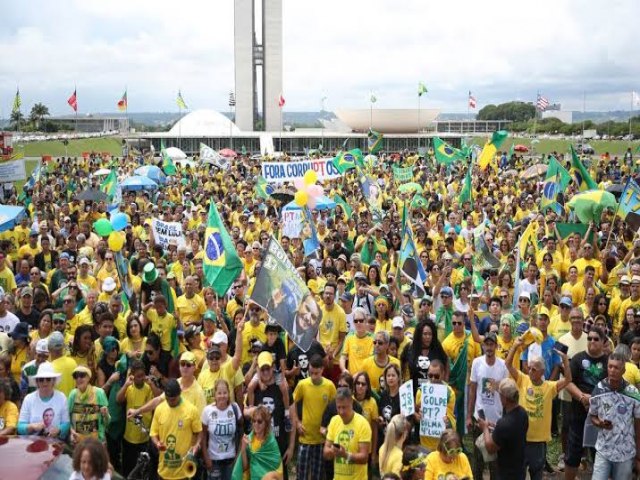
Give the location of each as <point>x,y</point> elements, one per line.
<point>204,123</point>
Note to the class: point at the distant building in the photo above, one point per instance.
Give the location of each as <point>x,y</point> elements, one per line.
<point>91,124</point>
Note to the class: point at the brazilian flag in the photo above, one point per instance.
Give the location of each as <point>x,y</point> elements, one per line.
<point>109,184</point>
<point>344,161</point>
<point>581,176</point>
<point>222,265</point>
<point>374,141</point>
<point>346,208</point>
<point>263,189</point>
<point>445,153</point>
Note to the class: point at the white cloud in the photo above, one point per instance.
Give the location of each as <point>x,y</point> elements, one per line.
<point>500,50</point>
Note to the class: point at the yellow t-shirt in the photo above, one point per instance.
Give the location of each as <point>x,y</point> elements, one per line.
<point>250,333</point>
<point>437,469</point>
<point>90,282</point>
<point>631,374</point>
<point>162,326</point>
<point>77,320</point>
<point>207,380</point>
<point>191,309</point>
<point>65,366</point>
<point>557,327</point>
<point>452,346</point>
<point>315,399</point>
<point>175,428</point>
<point>357,350</point>
<point>333,323</point>
<point>7,280</point>
<point>375,371</point>
<point>8,415</point>
<point>536,400</point>
<point>369,409</point>
<point>394,461</point>
<point>18,360</point>
<point>135,398</point>
<point>349,436</point>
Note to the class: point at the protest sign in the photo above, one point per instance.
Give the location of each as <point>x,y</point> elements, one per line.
<point>433,409</point>
<point>12,170</point>
<point>279,172</point>
<point>164,232</point>
<point>407,405</point>
<point>286,297</point>
<point>292,221</point>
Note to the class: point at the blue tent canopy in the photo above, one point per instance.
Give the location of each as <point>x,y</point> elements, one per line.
<point>138,182</point>
<point>9,216</point>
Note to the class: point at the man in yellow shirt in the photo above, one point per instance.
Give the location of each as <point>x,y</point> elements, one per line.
<point>314,393</point>
<point>358,345</point>
<point>7,279</point>
<point>332,330</point>
<point>190,306</point>
<point>348,440</point>
<point>162,322</point>
<point>536,395</point>
<point>174,432</point>
<point>374,365</point>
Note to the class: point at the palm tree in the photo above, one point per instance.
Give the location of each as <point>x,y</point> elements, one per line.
<point>16,119</point>
<point>38,112</point>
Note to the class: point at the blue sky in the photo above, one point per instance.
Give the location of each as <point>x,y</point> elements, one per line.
<point>500,50</point>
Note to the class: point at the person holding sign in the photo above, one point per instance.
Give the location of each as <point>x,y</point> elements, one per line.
<point>449,461</point>
<point>426,415</point>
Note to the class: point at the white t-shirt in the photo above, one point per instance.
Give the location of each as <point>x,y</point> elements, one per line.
<point>52,412</point>
<point>222,425</point>
<point>486,398</point>
<point>8,322</point>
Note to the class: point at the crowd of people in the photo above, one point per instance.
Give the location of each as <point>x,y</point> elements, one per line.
<point>210,387</point>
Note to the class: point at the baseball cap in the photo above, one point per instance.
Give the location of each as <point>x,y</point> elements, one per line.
<point>626,280</point>
<point>346,297</point>
<point>84,260</point>
<point>635,279</point>
<point>65,255</point>
<point>527,295</point>
<point>56,341</point>
<point>566,301</point>
<point>209,315</point>
<point>446,292</point>
<point>544,311</point>
<point>81,369</point>
<point>219,337</point>
<point>188,357</point>
<point>407,310</point>
<point>42,346</point>
<point>397,322</point>
<point>447,256</point>
<point>26,291</point>
<point>214,349</point>
<point>490,337</point>
<point>265,359</point>
<point>360,276</point>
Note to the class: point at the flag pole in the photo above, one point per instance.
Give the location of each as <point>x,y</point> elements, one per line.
<point>535,117</point>
<point>419,120</point>
<point>75,91</point>
<point>615,215</point>
<point>630,117</point>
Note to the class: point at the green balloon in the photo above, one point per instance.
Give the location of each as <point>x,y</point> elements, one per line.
<point>103,227</point>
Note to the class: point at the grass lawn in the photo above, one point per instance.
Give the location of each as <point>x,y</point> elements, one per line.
<point>55,148</point>
<point>548,145</point>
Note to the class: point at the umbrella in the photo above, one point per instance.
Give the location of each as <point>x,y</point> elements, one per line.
<point>93,195</point>
<point>410,187</point>
<point>102,172</point>
<point>511,173</point>
<point>138,182</point>
<point>534,171</point>
<point>152,172</point>
<point>282,195</point>
<point>589,205</point>
<point>521,148</point>
<point>9,214</point>
<point>175,153</point>
<point>322,203</point>
<point>227,152</point>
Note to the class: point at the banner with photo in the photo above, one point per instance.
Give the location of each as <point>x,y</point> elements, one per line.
<point>165,232</point>
<point>209,155</point>
<point>280,172</point>
<point>286,298</point>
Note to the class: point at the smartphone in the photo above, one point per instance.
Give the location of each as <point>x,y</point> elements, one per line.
<point>481,414</point>
<point>561,347</point>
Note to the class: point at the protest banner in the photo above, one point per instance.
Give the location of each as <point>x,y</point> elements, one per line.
<point>286,297</point>
<point>433,409</point>
<point>280,172</point>
<point>164,232</point>
<point>407,405</point>
<point>292,221</point>
<point>12,170</point>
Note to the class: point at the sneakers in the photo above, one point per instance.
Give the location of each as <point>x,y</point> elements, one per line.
<point>561,464</point>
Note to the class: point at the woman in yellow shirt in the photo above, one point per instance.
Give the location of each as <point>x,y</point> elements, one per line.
<point>45,327</point>
<point>390,456</point>
<point>448,460</point>
<point>134,343</point>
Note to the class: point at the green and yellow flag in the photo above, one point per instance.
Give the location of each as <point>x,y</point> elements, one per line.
<point>222,265</point>
<point>344,161</point>
<point>491,148</point>
<point>466,193</point>
<point>109,184</point>
<point>17,102</point>
<point>263,189</point>
<point>180,102</point>
<point>581,176</point>
<point>168,167</point>
<point>422,89</point>
<point>346,208</point>
<point>445,153</point>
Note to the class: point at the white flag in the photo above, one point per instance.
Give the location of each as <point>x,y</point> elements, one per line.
<point>209,155</point>
<point>635,99</point>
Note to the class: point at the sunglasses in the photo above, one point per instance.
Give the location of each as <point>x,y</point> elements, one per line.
<point>258,421</point>
<point>452,452</point>
<point>433,376</point>
<point>358,320</point>
<point>214,357</point>
<point>187,364</point>
<point>59,322</point>
<point>379,342</point>
<point>445,296</point>
<point>456,323</point>
<point>43,380</point>
<point>78,375</point>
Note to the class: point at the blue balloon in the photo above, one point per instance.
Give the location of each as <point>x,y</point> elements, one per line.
<point>119,221</point>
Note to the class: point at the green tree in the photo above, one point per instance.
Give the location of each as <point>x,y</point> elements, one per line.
<point>16,120</point>
<point>38,112</point>
<point>514,111</point>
